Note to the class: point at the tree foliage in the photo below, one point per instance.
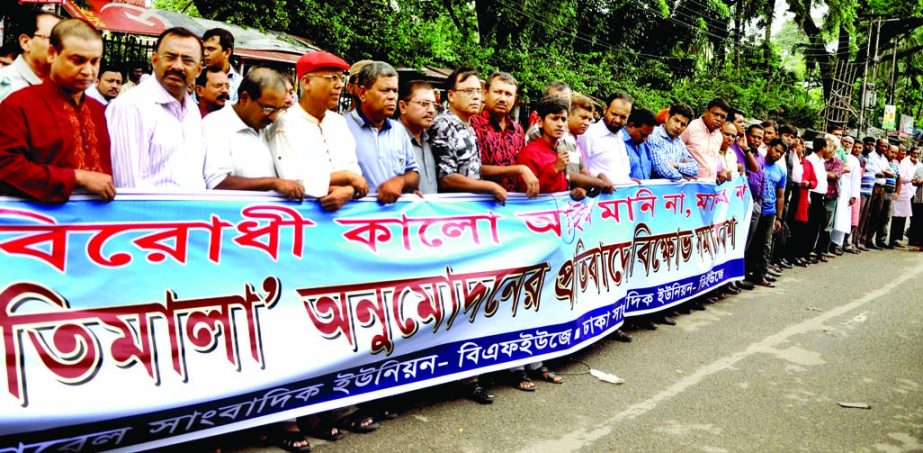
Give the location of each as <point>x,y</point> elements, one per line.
<point>660,51</point>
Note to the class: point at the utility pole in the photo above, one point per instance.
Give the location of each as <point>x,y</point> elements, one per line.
<point>893,73</point>
<point>865,77</point>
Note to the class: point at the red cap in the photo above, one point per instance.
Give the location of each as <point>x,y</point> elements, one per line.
<point>315,60</point>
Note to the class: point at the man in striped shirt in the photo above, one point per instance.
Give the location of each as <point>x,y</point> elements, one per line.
<point>156,128</point>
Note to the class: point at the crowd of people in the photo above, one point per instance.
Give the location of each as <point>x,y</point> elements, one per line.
<point>195,124</point>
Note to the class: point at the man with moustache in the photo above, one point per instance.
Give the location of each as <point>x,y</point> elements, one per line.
<point>418,110</point>
<point>703,138</point>
<point>156,127</point>
<point>638,127</point>
<point>455,147</point>
<point>53,138</point>
<point>218,48</point>
<point>32,65</point>
<point>671,160</point>
<point>211,89</point>
<point>237,154</point>
<point>770,130</point>
<point>311,143</point>
<point>500,137</point>
<point>384,150</point>
<point>109,84</point>
<point>604,150</point>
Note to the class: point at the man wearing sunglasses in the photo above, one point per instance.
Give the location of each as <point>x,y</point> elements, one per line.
<point>33,65</point>
<point>237,154</point>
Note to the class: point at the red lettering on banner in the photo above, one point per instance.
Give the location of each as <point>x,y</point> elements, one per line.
<point>740,190</point>
<point>349,311</point>
<point>645,199</point>
<point>74,354</point>
<point>275,217</point>
<point>375,231</point>
<point>704,200</point>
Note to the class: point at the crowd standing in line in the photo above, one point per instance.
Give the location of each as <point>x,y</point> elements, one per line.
<point>67,125</point>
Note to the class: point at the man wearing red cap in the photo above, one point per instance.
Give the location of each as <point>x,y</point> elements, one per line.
<point>311,143</point>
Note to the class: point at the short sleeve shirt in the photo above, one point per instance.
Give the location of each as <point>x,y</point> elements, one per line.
<point>455,147</point>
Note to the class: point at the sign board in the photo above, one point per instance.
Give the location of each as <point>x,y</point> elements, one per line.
<point>887,122</point>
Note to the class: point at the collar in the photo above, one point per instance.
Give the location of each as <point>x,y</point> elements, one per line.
<point>495,123</point>
<point>363,122</point>
<point>661,131</point>
<point>297,109</point>
<point>162,96</point>
<point>233,120</point>
<point>19,65</point>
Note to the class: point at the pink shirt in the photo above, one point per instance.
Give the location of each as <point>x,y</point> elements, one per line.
<point>156,140</point>
<point>704,147</point>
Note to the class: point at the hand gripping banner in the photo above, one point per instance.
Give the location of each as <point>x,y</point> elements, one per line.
<point>157,319</point>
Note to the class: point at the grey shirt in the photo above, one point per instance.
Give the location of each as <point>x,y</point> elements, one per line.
<point>426,164</point>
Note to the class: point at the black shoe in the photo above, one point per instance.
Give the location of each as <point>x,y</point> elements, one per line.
<point>743,284</point>
<point>479,395</point>
<point>881,245</point>
<point>644,324</point>
<point>732,290</point>
<point>666,320</point>
<point>683,309</point>
<point>621,336</point>
<point>784,264</point>
<point>697,306</point>
<point>770,278</point>
<point>773,273</point>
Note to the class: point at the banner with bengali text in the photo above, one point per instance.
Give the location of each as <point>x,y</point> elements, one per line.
<point>157,319</point>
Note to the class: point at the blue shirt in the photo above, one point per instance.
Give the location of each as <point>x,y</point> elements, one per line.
<point>638,155</point>
<point>665,151</point>
<point>774,180</point>
<point>383,154</point>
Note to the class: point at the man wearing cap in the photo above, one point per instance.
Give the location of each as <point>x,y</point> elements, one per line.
<point>156,128</point>
<point>313,144</point>
<point>383,148</point>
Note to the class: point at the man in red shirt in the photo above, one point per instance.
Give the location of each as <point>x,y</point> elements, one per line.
<point>541,155</point>
<point>53,138</point>
<point>500,137</point>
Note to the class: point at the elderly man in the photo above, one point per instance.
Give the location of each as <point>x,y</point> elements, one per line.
<point>703,138</point>
<point>605,154</point>
<point>418,110</point>
<point>313,144</point>
<point>156,127</point>
<point>33,64</point>
<point>384,150</point>
<point>237,155</point>
<point>211,89</point>
<point>500,137</point>
<point>53,138</point>
<point>669,156</point>
<point>218,48</point>
<point>455,145</point>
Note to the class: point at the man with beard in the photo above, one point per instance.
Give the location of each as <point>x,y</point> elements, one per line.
<point>384,150</point>
<point>53,138</point>
<point>500,137</point>
<point>156,127</point>
<point>311,143</point>
<point>211,89</point>
<point>237,155</point>
<point>418,110</point>
<point>455,147</point>
<point>604,150</point>
<point>218,48</point>
<point>703,138</point>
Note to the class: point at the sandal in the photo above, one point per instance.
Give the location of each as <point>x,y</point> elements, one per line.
<point>358,423</point>
<point>290,440</point>
<point>323,429</point>
<point>522,381</point>
<point>479,395</point>
<point>547,375</point>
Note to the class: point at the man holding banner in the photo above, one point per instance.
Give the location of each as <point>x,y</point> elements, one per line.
<point>53,138</point>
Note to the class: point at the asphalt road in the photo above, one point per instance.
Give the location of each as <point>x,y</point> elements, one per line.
<point>763,371</point>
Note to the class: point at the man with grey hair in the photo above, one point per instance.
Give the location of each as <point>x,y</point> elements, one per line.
<point>383,147</point>
<point>500,137</point>
<point>237,154</point>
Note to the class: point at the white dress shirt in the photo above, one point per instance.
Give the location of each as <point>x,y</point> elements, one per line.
<point>604,152</point>
<point>308,150</point>
<point>233,148</point>
<point>156,140</point>
<point>820,172</point>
